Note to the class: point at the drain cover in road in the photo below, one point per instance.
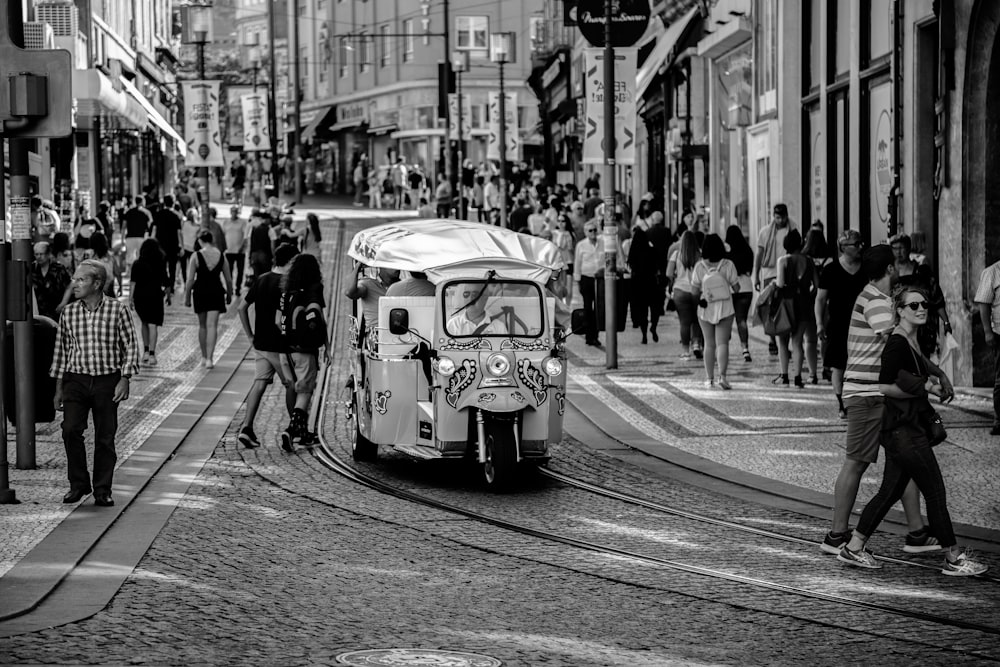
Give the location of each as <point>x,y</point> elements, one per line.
<point>408,657</point>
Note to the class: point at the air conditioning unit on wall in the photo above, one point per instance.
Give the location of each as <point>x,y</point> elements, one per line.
<point>38,35</point>
<point>62,15</point>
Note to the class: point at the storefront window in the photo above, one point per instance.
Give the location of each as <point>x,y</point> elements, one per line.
<point>880,160</point>
<point>879,29</point>
<point>733,94</point>
<point>816,180</point>
<point>767,56</point>
<point>814,48</point>
<point>842,45</point>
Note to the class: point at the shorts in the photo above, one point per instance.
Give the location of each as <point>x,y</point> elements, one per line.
<point>302,369</point>
<point>864,426</point>
<point>266,365</point>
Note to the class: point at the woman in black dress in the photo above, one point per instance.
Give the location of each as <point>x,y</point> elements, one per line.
<point>147,285</point>
<point>209,297</point>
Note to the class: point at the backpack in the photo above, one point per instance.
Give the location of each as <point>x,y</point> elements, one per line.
<point>715,287</point>
<point>303,329</point>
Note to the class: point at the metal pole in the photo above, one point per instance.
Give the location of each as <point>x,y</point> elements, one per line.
<point>7,495</point>
<point>503,152</point>
<point>446,15</point>
<point>24,345</point>
<point>296,104</point>
<point>203,171</point>
<point>272,111</point>
<point>610,229</point>
<point>461,154</point>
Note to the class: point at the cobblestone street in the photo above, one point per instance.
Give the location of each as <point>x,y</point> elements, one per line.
<point>269,558</point>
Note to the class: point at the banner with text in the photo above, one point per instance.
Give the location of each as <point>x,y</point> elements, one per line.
<point>453,117</point>
<point>201,124</point>
<point>255,133</point>
<point>232,118</point>
<point>625,113</point>
<point>510,129</point>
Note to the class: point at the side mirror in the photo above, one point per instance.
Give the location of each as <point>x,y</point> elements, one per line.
<point>578,321</point>
<point>399,321</point>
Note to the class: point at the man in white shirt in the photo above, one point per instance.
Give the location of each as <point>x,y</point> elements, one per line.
<point>491,200</point>
<point>471,319</point>
<point>588,266</point>
<point>988,302</point>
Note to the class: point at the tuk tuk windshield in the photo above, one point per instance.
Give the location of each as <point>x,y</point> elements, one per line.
<point>483,308</point>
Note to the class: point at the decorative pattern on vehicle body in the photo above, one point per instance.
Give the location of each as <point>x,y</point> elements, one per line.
<point>478,344</point>
<point>515,344</point>
<point>533,378</point>
<point>382,401</point>
<point>461,379</point>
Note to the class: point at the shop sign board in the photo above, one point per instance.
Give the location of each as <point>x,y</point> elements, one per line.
<point>493,142</point>
<point>623,90</point>
<point>629,20</point>
<point>234,115</point>
<point>356,112</point>
<point>201,124</point>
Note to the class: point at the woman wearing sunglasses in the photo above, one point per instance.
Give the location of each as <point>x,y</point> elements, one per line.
<point>908,454</point>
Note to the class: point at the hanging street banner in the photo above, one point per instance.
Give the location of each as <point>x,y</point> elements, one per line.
<point>233,116</point>
<point>255,133</point>
<point>625,112</point>
<point>453,117</point>
<point>513,143</point>
<point>201,124</point>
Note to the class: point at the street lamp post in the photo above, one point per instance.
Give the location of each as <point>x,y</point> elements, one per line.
<point>460,63</point>
<point>502,52</point>
<point>200,17</point>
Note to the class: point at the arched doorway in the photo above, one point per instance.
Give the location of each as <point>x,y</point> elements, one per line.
<point>981,166</point>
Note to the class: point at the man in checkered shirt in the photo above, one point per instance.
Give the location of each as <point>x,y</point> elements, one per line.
<point>95,356</point>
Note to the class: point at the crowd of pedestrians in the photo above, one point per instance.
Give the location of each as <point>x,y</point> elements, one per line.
<point>79,277</point>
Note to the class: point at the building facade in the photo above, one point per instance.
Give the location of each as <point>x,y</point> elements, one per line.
<point>124,142</point>
<point>369,78</point>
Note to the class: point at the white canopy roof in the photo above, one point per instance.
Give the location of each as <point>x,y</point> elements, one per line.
<point>446,249</point>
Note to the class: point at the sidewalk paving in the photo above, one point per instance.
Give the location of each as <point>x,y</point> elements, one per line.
<point>792,437</point>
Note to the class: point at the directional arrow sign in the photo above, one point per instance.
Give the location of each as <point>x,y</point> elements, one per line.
<point>625,113</point>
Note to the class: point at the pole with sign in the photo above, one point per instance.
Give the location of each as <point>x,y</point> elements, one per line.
<point>595,19</point>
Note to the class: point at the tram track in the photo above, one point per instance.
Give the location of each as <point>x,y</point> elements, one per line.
<point>326,454</point>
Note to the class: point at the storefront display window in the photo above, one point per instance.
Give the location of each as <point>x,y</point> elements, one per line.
<point>880,159</point>
<point>733,94</point>
<point>879,29</point>
<point>842,44</point>
<point>816,177</point>
<point>767,56</point>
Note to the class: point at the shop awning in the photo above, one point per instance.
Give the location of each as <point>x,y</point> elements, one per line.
<point>155,116</point>
<point>660,52</point>
<point>320,121</point>
<point>96,95</point>
<point>383,129</point>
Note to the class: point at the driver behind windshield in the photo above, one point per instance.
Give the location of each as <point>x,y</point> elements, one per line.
<point>471,318</point>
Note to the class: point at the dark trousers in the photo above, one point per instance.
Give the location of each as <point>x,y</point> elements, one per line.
<point>908,456</point>
<point>83,394</point>
<point>996,378</point>
<point>687,314</point>
<point>238,260</point>
<point>172,269</point>
<point>588,291</point>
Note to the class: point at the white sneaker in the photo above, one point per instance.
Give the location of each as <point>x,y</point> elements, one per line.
<point>862,558</point>
<point>724,383</point>
<point>209,365</point>
<point>152,359</point>
<point>963,566</point>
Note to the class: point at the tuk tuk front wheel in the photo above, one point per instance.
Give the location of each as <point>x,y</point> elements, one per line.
<point>500,465</point>
<point>362,449</point>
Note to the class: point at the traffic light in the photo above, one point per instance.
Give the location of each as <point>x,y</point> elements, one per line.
<point>36,87</point>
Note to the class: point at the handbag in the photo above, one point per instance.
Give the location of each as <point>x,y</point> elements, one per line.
<point>780,317</point>
<point>930,420</point>
<point>671,305</point>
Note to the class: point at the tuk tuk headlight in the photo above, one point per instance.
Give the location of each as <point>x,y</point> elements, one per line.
<point>552,366</point>
<point>498,364</point>
<point>444,366</point>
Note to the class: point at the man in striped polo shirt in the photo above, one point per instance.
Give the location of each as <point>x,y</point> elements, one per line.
<point>871,323</point>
